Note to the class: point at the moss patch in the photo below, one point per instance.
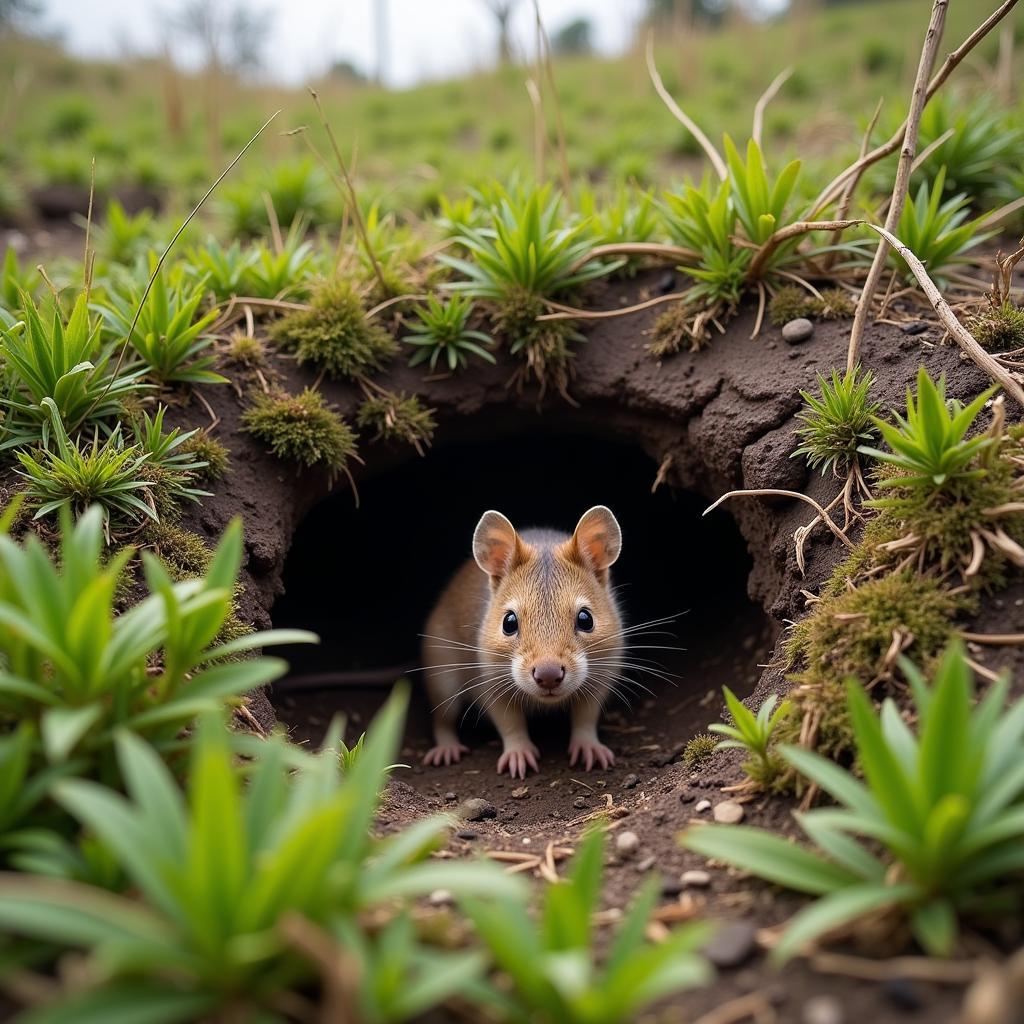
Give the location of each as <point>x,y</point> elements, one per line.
<point>544,347</point>
<point>397,417</point>
<point>334,334</point>
<point>1000,329</point>
<point>302,429</point>
<point>671,332</point>
<point>209,450</point>
<point>791,302</point>
<point>699,749</point>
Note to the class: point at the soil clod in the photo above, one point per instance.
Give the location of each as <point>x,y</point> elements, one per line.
<point>477,809</point>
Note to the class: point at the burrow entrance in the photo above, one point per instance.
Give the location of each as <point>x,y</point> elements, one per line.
<point>365,579</point>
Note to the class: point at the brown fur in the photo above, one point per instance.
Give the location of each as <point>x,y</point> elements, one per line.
<point>545,577</point>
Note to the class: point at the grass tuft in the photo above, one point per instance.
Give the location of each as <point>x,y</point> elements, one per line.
<point>334,333</point>
<point>699,749</point>
<point>397,417</point>
<point>302,429</point>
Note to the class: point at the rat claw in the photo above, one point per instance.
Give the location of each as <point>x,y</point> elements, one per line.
<point>445,753</point>
<point>516,760</point>
<point>590,752</point>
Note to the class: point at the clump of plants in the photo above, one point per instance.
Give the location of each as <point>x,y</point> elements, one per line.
<point>699,749</point>
<point>246,350</point>
<point>397,417</point>
<point>560,980</point>
<point>171,464</point>
<point>791,302</point>
<point>302,429</point>
<point>183,553</point>
<point>334,333</point>
<point>1000,328</point>
<point>211,455</point>
<point>442,333</point>
<point>837,422</point>
<point>926,839</point>
<point>753,734</point>
<point>525,255</point>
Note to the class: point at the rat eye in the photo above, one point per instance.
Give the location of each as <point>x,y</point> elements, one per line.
<point>510,624</point>
<point>584,620</point>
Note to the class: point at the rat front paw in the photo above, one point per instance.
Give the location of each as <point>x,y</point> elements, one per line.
<point>445,753</point>
<point>517,757</point>
<point>588,750</point>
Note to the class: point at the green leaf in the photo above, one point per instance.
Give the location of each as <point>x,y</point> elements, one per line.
<point>63,728</point>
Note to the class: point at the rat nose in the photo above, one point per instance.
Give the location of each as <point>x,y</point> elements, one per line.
<point>548,674</point>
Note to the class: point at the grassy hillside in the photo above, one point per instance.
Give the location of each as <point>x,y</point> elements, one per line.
<point>149,126</point>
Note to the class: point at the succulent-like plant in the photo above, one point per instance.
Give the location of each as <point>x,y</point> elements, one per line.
<point>930,444</point>
<point>753,733</point>
<point>837,421</point>
<point>443,333</point>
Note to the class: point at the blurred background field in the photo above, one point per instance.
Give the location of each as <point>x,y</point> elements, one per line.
<point>161,125</point>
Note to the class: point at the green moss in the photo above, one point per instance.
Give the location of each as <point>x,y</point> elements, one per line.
<point>850,635</point>
<point>184,554</point>
<point>302,429</point>
<point>246,350</point>
<point>544,347</point>
<point>397,417</point>
<point>791,302</point>
<point>209,450</point>
<point>672,331</point>
<point>335,334</point>
<point>1000,329</point>
<point>699,749</point>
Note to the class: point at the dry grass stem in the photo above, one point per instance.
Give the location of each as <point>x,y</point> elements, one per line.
<point>766,97</point>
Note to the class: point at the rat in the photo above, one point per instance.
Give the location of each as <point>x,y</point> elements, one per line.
<point>530,623</point>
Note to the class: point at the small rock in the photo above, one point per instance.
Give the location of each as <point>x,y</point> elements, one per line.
<point>579,803</point>
<point>631,781</point>
<point>702,805</point>
<point>914,327</point>
<point>728,812</point>
<point>686,797</point>
<point>476,809</point>
<point>903,994</point>
<point>822,1010</point>
<point>466,833</point>
<point>646,864</point>
<point>671,887</point>
<point>667,283</point>
<point>797,330</point>
<point>520,792</point>
<point>626,844</point>
<point>695,879</point>
<point>732,944</point>
<point>450,797</point>
<point>440,898</point>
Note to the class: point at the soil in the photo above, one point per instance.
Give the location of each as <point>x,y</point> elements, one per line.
<point>689,428</point>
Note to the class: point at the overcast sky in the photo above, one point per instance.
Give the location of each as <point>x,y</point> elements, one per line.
<point>427,38</point>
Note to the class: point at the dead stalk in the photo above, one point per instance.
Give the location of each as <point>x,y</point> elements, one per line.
<point>893,143</point>
<point>780,493</point>
<point>917,968</point>
<point>766,97</point>
<point>963,337</point>
<point>539,134</point>
<point>763,254</point>
<point>545,64</point>
<point>932,39</point>
<point>571,313</point>
<point>673,253</point>
<point>994,639</point>
<point>681,116</point>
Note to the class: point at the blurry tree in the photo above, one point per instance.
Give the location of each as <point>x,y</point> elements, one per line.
<point>573,37</point>
<point>18,13</point>
<point>687,12</point>
<point>502,11</point>
<point>346,71</point>
<point>229,35</point>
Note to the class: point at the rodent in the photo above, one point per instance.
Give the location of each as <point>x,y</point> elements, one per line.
<point>530,622</point>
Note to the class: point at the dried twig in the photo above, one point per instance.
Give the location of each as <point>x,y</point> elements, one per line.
<point>932,39</point>
<point>681,116</point>
<point>994,639</point>
<point>803,227</point>
<point>916,968</point>
<point>832,189</point>
<point>963,337</point>
<point>571,313</point>
<point>780,493</point>
<point>766,97</point>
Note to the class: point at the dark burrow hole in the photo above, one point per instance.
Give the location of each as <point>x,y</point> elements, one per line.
<point>365,579</point>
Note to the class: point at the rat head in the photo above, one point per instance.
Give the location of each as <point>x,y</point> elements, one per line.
<point>551,612</point>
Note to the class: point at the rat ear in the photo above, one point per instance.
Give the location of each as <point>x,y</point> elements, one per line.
<point>496,546</point>
<point>597,540</point>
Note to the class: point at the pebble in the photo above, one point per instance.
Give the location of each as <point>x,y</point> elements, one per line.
<point>702,805</point>
<point>520,792</point>
<point>631,781</point>
<point>440,898</point>
<point>695,879</point>
<point>450,797</point>
<point>626,844</point>
<point>728,812</point>
<point>667,283</point>
<point>903,994</point>
<point>732,944</point>
<point>579,803</point>
<point>914,327</point>
<point>797,330</point>
<point>686,797</point>
<point>822,1010</point>
<point>646,864</point>
<point>477,809</point>
<point>466,833</point>
<point>671,887</point>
